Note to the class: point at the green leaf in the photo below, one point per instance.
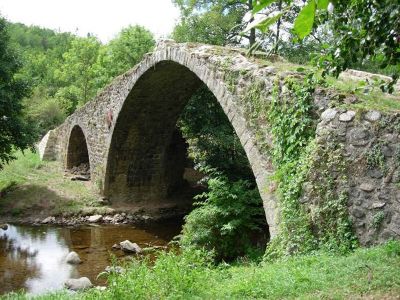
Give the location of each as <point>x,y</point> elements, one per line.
<point>261,5</point>
<point>322,4</point>
<point>305,20</point>
<point>264,23</point>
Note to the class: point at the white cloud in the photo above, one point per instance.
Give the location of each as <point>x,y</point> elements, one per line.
<point>104,18</point>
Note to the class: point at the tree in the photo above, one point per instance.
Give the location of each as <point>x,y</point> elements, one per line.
<point>211,137</point>
<point>78,73</point>
<point>217,22</point>
<point>14,133</point>
<point>363,30</point>
<point>126,50</point>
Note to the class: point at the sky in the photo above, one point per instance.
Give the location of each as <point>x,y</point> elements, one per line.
<point>103,18</point>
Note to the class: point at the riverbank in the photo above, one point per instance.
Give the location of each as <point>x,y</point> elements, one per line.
<point>42,192</point>
<point>30,256</point>
<point>365,274</point>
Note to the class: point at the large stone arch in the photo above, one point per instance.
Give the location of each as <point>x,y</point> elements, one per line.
<point>242,85</point>
<point>136,160</point>
<point>168,76</point>
<point>77,151</point>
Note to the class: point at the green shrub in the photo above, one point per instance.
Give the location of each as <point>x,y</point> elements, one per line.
<point>42,112</point>
<point>226,220</point>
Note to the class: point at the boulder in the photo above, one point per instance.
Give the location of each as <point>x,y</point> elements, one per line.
<point>367,187</point>
<point>49,220</point>
<point>73,258</point>
<point>378,204</point>
<point>82,283</point>
<point>328,114</point>
<point>372,116</point>
<point>95,218</point>
<point>116,247</point>
<point>347,116</point>
<point>128,246</point>
<point>4,226</point>
<point>108,219</point>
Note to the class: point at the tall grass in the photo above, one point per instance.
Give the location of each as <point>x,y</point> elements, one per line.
<point>18,170</point>
<point>367,273</point>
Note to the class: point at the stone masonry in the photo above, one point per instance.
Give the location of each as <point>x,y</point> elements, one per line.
<point>129,125</point>
<point>371,144</point>
<point>130,135</point>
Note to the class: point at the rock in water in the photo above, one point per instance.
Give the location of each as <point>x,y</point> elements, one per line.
<point>95,218</point>
<point>4,226</point>
<point>128,246</point>
<point>78,284</point>
<point>73,258</point>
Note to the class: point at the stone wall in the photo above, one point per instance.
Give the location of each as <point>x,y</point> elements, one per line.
<point>47,146</point>
<point>370,141</point>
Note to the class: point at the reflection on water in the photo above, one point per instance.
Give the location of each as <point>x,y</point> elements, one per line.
<point>33,258</point>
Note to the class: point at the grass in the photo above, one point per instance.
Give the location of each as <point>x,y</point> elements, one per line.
<point>374,99</point>
<point>30,187</point>
<point>369,96</point>
<point>366,273</point>
<point>16,172</point>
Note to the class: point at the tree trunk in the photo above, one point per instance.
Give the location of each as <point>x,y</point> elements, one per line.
<point>278,26</point>
<point>252,37</point>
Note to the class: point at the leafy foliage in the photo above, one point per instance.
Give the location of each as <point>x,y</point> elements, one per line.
<point>376,158</point>
<point>298,160</point>
<point>378,219</point>
<point>217,22</point>
<point>126,50</point>
<point>77,74</point>
<point>230,213</point>
<point>211,137</point>
<point>42,112</point>
<point>293,125</point>
<point>66,71</point>
<point>362,30</point>
<point>223,223</point>
<point>14,132</point>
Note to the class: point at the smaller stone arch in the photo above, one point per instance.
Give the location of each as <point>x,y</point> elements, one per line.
<point>77,152</point>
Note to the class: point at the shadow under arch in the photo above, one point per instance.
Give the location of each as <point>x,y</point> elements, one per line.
<point>77,150</point>
<point>140,165</point>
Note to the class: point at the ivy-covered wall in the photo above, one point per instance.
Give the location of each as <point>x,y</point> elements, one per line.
<point>337,178</point>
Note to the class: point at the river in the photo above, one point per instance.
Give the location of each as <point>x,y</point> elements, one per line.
<point>32,258</point>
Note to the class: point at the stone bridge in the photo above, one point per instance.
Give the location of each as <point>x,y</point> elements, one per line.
<point>127,132</point>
